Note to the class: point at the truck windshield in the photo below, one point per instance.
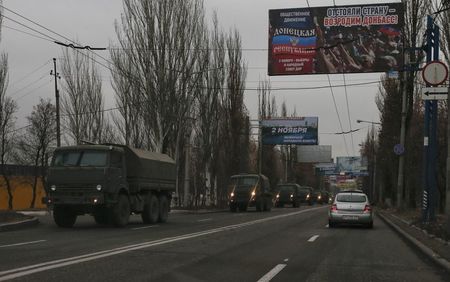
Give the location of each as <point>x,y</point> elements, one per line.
<point>81,158</point>
<point>244,181</point>
<point>286,189</point>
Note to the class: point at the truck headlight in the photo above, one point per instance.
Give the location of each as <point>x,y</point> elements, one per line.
<point>53,187</point>
<point>278,196</point>
<point>292,196</point>
<point>253,193</point>
<point>99,187</point>
<point>307,196</point>
<point>232,195</point>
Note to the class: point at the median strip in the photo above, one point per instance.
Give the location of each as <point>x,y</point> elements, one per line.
<point>27,270</point>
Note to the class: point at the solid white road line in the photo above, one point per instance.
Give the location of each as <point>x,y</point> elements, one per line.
<point>326,226</point>
<point>150,226</point>
<point>313,238</point>
<point>271,274</point>
<point>35,268</point>
<point>21,244</point>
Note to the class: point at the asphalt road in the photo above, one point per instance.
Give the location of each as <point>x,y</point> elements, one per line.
<point>283,245</point>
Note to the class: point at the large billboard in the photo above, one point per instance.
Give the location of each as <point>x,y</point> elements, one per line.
<point>338,39</point>
<point>299,131</point>
<point>314,154</point>
<point>351,164</point>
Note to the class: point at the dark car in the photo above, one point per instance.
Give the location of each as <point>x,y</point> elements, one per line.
<point>289,194</point>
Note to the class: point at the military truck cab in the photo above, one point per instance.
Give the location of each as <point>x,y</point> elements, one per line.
<point>249,190</point>
<point>109,182</point>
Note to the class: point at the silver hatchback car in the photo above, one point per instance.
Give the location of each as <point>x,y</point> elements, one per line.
<point>351,207</point>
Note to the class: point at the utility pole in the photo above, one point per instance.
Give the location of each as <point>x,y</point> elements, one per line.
<point>401,160</point>
<point>430,133</point>
<point>58,123</point>
<point>447,192</point>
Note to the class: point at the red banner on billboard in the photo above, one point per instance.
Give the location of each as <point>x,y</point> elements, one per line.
<point>338,39</point>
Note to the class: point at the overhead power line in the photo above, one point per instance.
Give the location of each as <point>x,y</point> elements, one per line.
<point>27,33</point>
<point>31,73</point>
<point>28,85</point>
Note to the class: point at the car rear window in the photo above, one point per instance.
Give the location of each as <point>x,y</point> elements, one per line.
<point>353,198</point>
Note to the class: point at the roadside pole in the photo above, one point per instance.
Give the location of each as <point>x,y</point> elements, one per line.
<point>447,192</point>
<point>58,126</point>
<point>401,161</point>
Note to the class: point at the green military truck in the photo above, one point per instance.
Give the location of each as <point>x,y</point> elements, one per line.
<point>250,190</point>
<point>109,182</point>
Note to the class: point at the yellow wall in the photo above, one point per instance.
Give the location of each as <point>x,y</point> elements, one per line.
<point>22,193</point>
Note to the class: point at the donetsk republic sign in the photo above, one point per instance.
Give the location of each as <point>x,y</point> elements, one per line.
<point>339,39</point>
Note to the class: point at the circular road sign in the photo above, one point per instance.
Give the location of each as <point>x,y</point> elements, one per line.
<point>435,73</point>
<point>399,149</point>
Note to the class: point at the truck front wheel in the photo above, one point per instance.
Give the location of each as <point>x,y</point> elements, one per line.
<point>121,211</point>
<point>150,214</point>
<point>163,208</point>
<point>101,217</point>
<point>64,216</point>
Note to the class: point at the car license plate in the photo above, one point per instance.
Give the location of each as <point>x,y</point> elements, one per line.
<point>350,217</point>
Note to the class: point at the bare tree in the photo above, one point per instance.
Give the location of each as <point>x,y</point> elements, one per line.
<point>36,142</point>
<point>208,120</point>
<point>160,56</point>
<point>83,103</point>
<point>8,108</point>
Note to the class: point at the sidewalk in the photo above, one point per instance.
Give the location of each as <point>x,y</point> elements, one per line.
<point>12,220</point>
<point>437,249</point>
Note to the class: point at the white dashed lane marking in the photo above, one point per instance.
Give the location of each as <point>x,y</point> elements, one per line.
<point>203,220</point>
<point>313,238</point>
<point>21,244</point>
<point>271,274</point>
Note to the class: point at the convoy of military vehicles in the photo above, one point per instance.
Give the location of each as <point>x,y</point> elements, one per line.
<point>111,182</point>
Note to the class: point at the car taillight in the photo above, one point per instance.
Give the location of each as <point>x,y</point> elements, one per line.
<point>333,208</point>
<point>367,208</point>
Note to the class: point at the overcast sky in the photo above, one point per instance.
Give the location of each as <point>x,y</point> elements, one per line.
<point>91,22</point>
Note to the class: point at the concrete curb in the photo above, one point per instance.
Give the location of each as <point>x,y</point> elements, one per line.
<point>419,245</point>
<point>19,224</point>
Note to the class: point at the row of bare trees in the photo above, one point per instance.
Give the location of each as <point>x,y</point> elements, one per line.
<point>179,87</point>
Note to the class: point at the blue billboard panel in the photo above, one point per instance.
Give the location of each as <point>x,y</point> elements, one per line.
<point>296,131</point>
